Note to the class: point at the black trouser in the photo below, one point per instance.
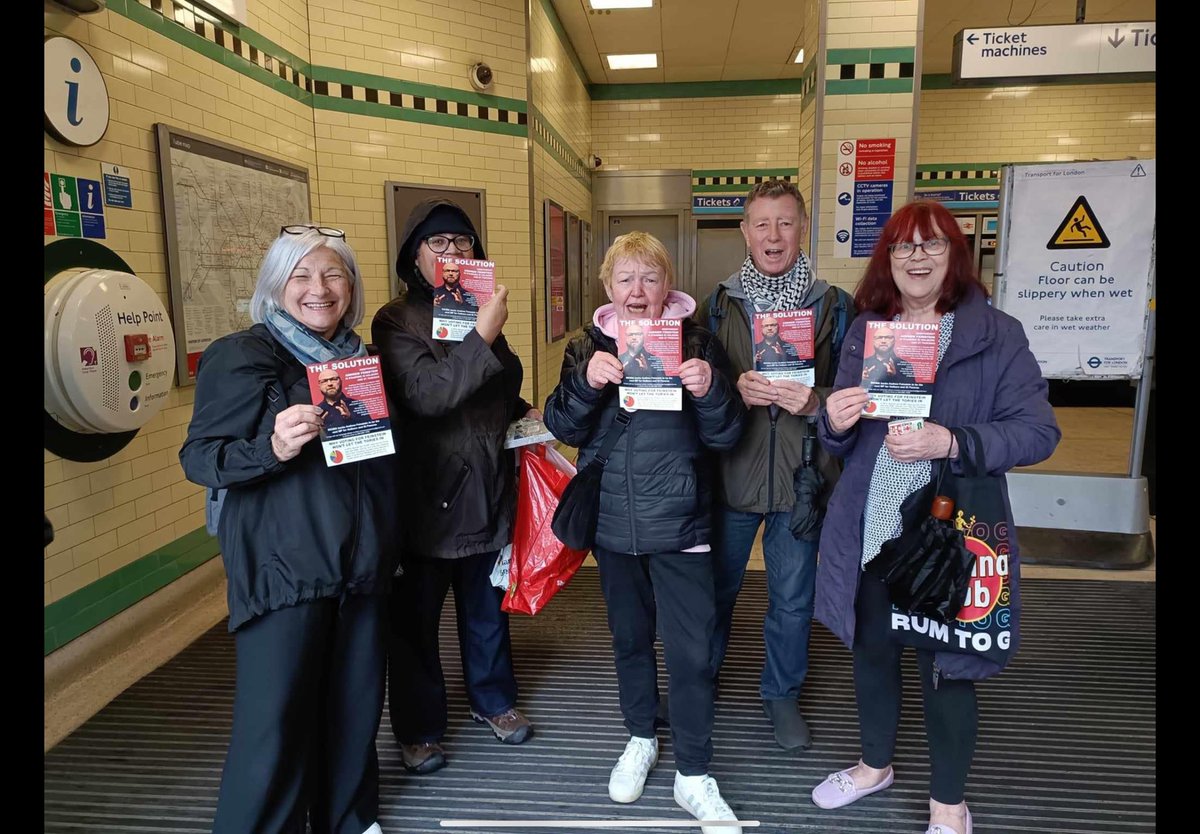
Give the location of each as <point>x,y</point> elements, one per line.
<point>951,712</point>
<point>674,591</point>
<point>416,685</point>
<point>306,710</point>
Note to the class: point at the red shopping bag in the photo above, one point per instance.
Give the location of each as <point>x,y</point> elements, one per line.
<point>541,564</point>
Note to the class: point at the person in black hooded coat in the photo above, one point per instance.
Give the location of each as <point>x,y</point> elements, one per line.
<point>454,401</point>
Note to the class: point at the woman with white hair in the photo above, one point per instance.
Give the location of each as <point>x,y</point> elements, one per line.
<point>306,548</point>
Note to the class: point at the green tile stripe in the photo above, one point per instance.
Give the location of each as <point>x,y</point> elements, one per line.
<point>962,174</point>
<point>178,20</point>
<point>937,167</point>
<point>738,181</point>
<point>809,83</point>
<point>388,111</point>
<point>937,81</point>
<point>696,89</point>
<point>429,91</point>
<point>699,173</point>
<point>326,88</point>
<point>565,41</point>
<point>847,56</point>
<point>837,87</point>
<point>108,596</point>
<point>873,55</point>
<point>890,85</point>
<point>877,70</point>
<point>560,149</point>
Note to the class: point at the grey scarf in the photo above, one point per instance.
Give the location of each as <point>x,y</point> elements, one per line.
<point>307,346</point>
<point>777,292</point>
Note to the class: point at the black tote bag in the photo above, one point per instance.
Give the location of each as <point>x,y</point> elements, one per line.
<point>985,622</point>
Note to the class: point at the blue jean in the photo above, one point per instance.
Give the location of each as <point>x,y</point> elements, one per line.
<point>416,685</point>
<point>791,583</point>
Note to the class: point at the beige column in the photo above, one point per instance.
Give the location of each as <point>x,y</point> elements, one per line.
<point>866,80</point>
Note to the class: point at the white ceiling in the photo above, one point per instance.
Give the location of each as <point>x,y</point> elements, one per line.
<point>735,40</point>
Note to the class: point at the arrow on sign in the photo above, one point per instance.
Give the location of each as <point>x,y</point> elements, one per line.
<point>1120,39</point>
<point>971,39</point>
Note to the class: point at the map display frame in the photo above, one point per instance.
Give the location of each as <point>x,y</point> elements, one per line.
<point>222,208</point>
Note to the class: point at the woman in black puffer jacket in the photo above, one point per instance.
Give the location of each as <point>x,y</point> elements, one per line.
<point>652,537</point>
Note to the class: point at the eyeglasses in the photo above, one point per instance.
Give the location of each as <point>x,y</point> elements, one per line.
<point>440,243</point>
<point>933,246</point>
<point>301,228</point>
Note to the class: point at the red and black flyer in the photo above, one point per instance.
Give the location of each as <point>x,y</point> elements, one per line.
<point>899,365</point>
<point>783,345</point>
<point>650,351</point>
<point>460,287</point>
<point>354,411</point>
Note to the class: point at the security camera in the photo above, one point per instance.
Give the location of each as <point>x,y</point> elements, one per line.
<point>595,161</point>
<point>482,76</point>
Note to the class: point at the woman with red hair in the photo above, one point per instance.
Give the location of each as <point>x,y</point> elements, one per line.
<point>987,379</point>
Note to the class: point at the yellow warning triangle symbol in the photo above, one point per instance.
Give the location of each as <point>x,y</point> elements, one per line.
<point>1079,229</point>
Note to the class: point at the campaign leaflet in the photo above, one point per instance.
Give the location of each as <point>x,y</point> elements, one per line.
<point>460,287</point>
<point>354,409</point>
<point>650,351</point>
<point>783,345</point>
<point>525,432</point>
<point>899,364</point>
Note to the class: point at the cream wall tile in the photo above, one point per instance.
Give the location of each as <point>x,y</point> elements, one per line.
<point>150,79</point>
<point>93,504</point>
<point>74,580</point>
<point>57,565</point>
<point>698,133</point>
<point>67,536</point>
<point>1034,123</point>
<point>62,493</point>
<point>90,551</point>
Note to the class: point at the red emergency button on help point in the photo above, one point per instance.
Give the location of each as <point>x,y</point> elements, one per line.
<point>137,347</point>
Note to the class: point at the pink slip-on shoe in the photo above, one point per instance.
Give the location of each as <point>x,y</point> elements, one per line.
<point>839,790</point>
<point>945,829</point>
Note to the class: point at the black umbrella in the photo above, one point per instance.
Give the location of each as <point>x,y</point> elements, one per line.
<point>927,567</point>
<point>808,484</point>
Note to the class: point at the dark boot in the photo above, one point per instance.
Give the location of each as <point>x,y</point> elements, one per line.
<point>791,732</point>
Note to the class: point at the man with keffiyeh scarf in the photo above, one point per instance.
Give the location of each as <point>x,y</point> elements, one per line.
<point>758,475</point>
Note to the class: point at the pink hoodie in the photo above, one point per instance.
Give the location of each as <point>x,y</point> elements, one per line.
<point>677,305</point>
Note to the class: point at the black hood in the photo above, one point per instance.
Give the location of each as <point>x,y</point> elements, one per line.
<point>413,233</point>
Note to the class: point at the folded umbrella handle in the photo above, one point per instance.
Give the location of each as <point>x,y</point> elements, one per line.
<point>943,508</point>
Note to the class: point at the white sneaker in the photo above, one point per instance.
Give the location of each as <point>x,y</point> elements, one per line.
<point>628,777</point>
<point>700,797</point>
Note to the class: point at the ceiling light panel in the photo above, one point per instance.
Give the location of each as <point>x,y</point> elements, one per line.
<point>601,5</point>
<point>647,60</point>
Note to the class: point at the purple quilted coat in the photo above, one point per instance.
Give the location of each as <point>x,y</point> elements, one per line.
<point>988,379</point>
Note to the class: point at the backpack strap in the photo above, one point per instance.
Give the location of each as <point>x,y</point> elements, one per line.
<point>841,323</point>
<point>715,313</point>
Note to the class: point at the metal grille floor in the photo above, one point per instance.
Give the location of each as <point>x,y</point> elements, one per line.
<point>1066,737</point>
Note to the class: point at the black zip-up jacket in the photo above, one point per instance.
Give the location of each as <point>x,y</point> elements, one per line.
<point>657,489</point>
<point>453,404</point>
<point>290,532</point>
